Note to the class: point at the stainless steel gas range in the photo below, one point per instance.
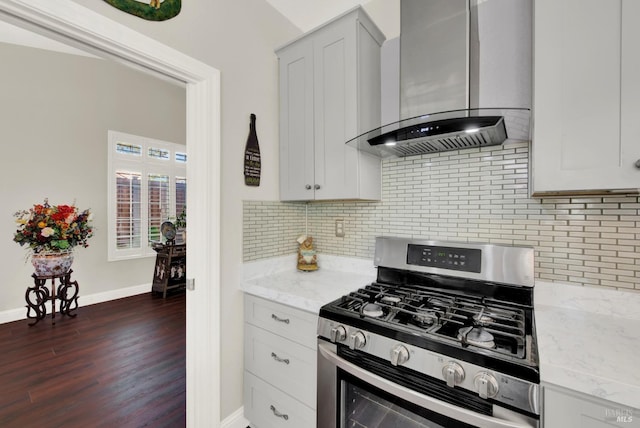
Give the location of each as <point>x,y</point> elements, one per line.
<point>445,337</point>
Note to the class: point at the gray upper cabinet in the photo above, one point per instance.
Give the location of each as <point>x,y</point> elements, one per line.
<point>330,93</point>
<point>586,96</point>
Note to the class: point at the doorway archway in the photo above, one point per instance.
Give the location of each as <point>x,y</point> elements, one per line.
<point>78,26</point>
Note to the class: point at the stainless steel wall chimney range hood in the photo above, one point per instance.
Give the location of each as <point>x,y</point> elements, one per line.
<point>460,62</point>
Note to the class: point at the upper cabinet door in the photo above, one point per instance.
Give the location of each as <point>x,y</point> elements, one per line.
<point>630,94</point>
<point>580,79</point>
<point>335,109</point>
<point>296,121</point>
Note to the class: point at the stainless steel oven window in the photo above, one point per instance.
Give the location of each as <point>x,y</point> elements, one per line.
<point>362,407</point>
<point>358,404</point>
<point>333,372</point>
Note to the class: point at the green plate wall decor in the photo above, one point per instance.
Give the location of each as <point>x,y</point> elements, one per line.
<point>152,10</point>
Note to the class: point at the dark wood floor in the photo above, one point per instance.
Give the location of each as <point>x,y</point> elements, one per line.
<point>117,364</point>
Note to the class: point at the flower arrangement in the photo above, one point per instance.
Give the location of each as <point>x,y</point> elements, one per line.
<point>46,228</point>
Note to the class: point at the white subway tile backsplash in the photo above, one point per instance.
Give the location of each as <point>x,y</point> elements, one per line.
<point>474,195</point>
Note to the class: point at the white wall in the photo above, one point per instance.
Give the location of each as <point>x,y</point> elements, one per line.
<point>386,15</point>
<point>55,112</point>
<point>238,38</point>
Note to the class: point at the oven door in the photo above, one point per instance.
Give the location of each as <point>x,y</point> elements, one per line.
<point>350,396</point>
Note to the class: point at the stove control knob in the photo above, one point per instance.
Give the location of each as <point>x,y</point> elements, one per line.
<point>399,355</point>
<point>357,340</point>
<point>486,385</point>
<point>453,373</point>
<point>338,334</point>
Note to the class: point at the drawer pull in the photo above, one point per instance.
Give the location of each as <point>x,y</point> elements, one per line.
<point>284,320</point>
<point>278,414</point>
<point>278,359</point>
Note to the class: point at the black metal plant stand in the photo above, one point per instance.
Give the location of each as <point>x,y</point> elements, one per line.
<point>38,295</point>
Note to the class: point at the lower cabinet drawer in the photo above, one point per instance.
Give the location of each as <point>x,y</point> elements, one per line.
<point>286,365</point>
<point>292,323</point>
<point>268,407</point>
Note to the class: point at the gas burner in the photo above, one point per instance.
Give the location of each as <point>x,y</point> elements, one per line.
<point>372,310</point>
<point>390,300</point>
<point>425,319</point>
<point>476,336</point>
<point>483,319</point>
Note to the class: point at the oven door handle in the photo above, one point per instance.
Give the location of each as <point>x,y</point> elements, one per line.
<point>424,401</point>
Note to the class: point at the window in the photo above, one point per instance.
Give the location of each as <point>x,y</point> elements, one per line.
<point>147,186</point>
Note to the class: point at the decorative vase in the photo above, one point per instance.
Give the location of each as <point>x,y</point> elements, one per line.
<point>52,263</point>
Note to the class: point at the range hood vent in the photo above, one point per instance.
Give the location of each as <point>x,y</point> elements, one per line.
<point>464,60</point>
<point>445,131</point>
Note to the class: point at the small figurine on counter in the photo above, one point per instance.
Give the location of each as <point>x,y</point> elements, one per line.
<point>307,258</point>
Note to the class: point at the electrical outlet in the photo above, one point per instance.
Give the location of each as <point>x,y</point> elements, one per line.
<point>340,228</point>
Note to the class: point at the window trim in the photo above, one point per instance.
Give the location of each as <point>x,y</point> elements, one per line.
<point>145,165</point>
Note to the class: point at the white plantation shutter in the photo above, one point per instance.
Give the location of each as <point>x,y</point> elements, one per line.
<point>158,204</point>
<point>128,210</point>
<point>147,186</point>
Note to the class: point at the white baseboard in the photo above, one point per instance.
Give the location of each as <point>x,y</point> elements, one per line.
<point>13,315</point>
<point>235,420</point>
<point>21,313</point>
<point>119,293</point>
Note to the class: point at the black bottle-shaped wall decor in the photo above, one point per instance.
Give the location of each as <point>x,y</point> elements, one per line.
<point>252,164</point>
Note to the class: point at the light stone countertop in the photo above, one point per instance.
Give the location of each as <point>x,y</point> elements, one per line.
<point>588,338</point>
<point>278,279</point>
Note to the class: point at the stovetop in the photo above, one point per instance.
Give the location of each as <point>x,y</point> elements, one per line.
<point>482,331</point>
<point>480,312</point>
<point>470,321</point>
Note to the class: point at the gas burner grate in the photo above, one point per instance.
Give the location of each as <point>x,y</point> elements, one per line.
<point>441,315</point>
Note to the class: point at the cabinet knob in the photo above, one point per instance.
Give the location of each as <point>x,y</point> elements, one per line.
<point>308,187</point>
<point>317,186</point>
<point>637,164</point>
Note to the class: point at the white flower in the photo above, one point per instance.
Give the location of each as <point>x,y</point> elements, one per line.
<point>47,231</point>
